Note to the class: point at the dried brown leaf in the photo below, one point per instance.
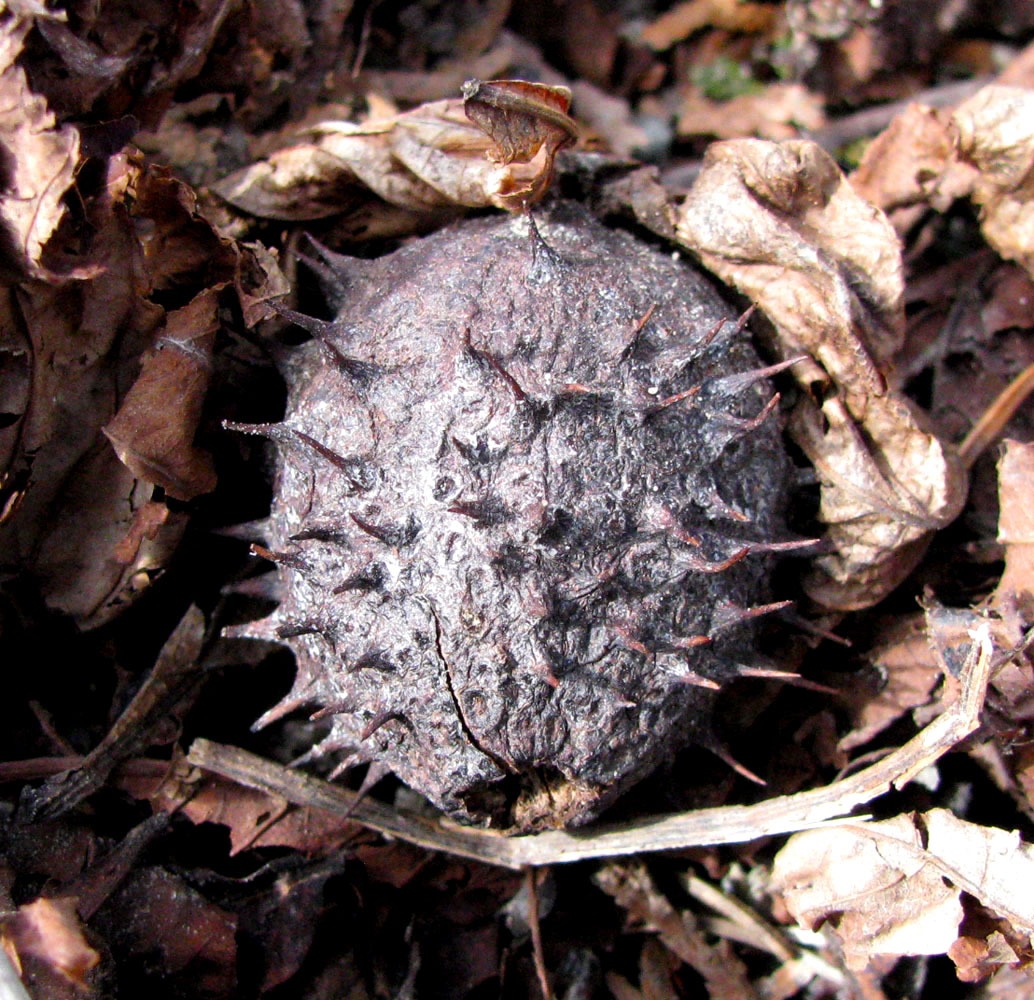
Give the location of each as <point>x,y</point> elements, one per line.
<point>691,15</point>
<point>15,388</point>
<point>984,150</point>
<point>68,506</point>
<point>976,958</point>
<point>153,431</point>
<point>1010,295</point>
<point>186,936</point>
<point>1016,523</point>
<point>255,818</point>
<point>996,135</point>
<point>909,677</point>
<point>894,887</point>
<point>634,891</point>
<point>908,162</point>
<point>779,111</point>
<point>147,521</point>
<point>781,223</point>
<point>521,118</point>
<point>39,159</point>
<point>430,160</point>
<point>79,558</point>
<point>48,929</point>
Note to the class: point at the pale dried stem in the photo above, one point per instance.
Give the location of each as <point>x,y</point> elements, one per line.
<point>996,416</point>
<point>785,814</point>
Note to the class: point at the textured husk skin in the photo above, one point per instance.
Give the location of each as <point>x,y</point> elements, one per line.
<point>507,535</point>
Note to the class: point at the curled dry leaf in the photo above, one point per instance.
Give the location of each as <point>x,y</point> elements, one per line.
<point>781,223</point>
<point>521,119</point>
<point>257,819</point>
<point>429,161</point>
<point>153,431</point>
<point>895,887</point>
<point>190,941</point>
<point>39,159</point>
<point>887,485</point>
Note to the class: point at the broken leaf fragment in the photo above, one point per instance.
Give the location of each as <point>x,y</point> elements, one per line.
<point>48,930</point>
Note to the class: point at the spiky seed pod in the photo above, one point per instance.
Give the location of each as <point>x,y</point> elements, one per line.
<point>522,498</point>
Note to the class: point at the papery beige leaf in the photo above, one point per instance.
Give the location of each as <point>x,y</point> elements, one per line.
<point>366,152</point>
<point>894,887</point>
<point>781,223</point>
<point>996,135</point>
<point>297,184</point>
<point>887,485</point>
<point>39,158</point>
<point>995,866</point>
<point>876,886</point>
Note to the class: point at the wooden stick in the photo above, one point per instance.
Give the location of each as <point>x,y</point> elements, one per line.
<point>784,814</point>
